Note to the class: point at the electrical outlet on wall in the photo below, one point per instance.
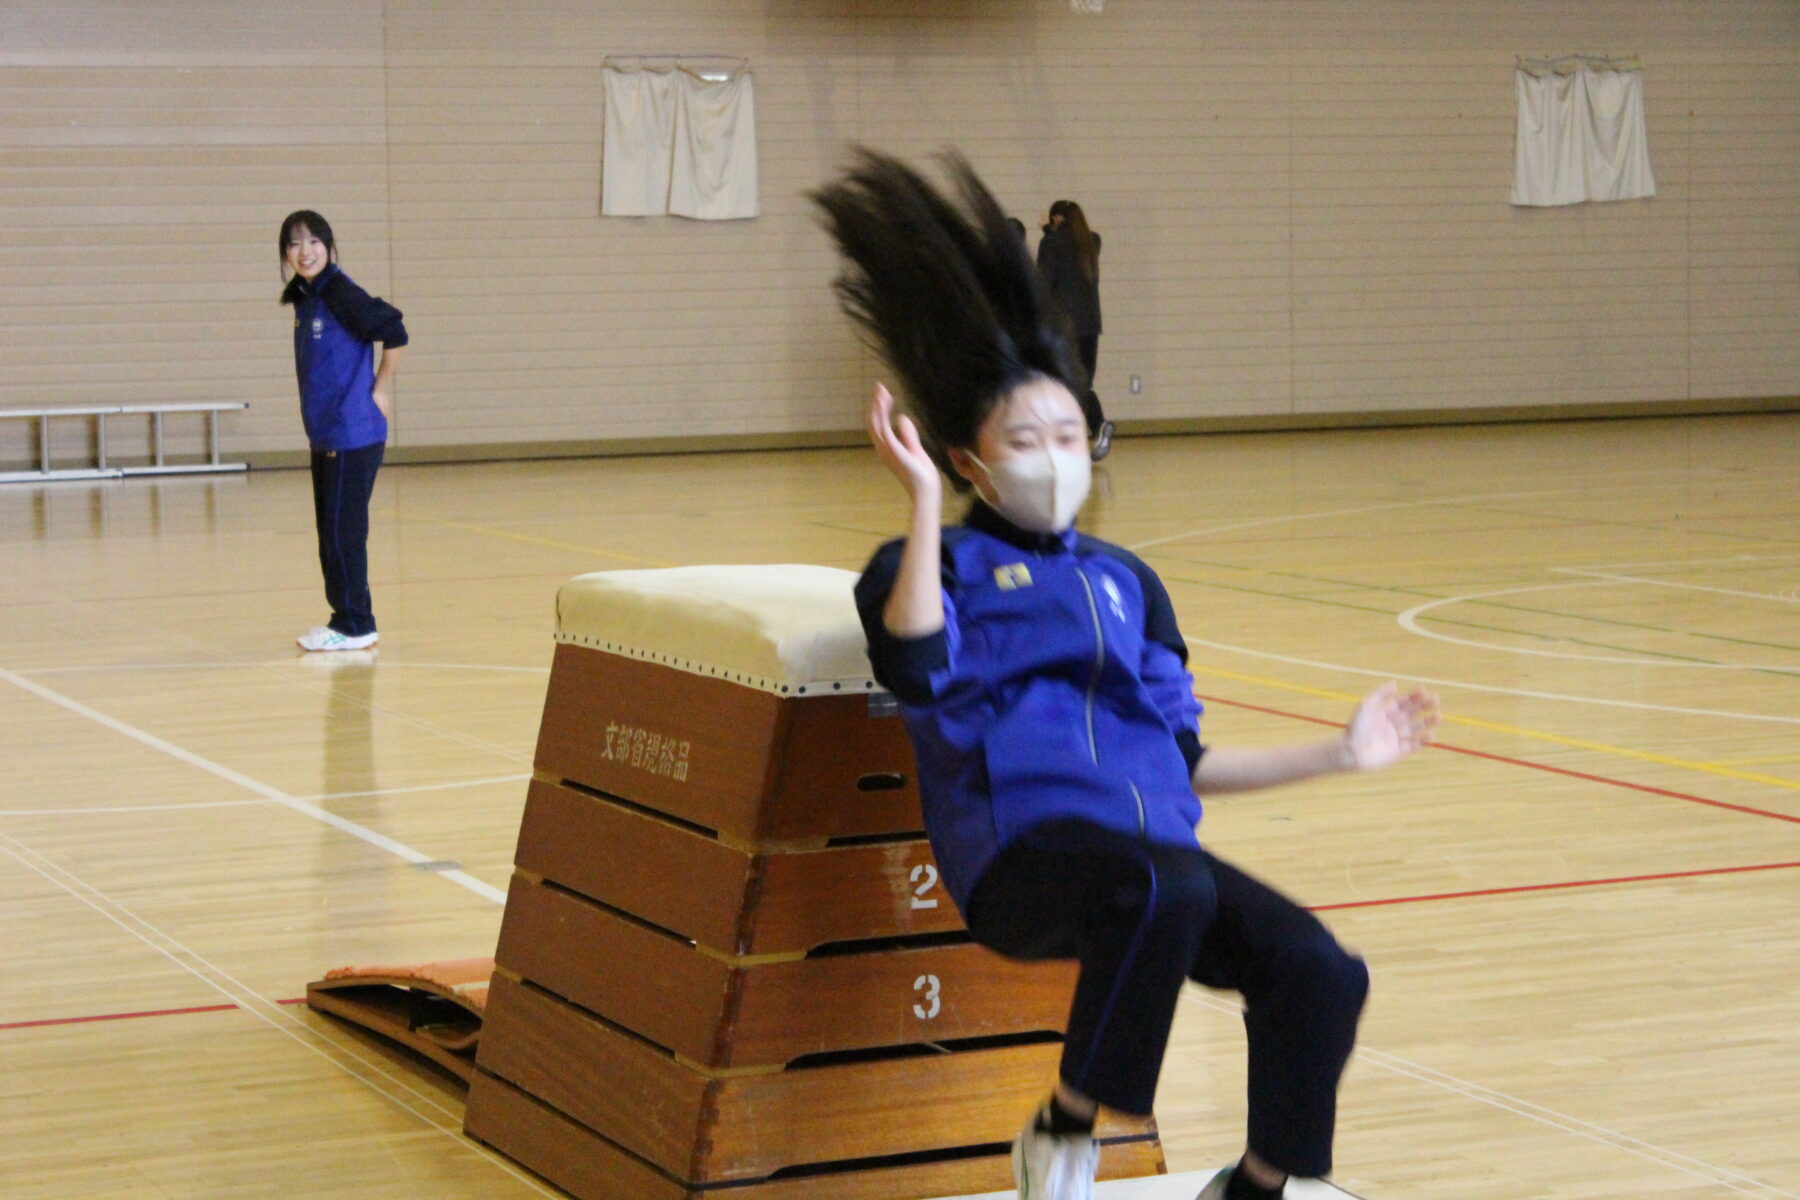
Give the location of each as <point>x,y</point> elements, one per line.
<point>1137,385</point>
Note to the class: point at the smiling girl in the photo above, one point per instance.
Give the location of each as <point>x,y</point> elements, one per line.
<point>345,404</point>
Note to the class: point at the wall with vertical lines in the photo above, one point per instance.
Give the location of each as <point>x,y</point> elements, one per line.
<point>1304,204</point>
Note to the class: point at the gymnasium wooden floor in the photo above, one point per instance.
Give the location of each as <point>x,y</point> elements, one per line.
<point>1580,909</point>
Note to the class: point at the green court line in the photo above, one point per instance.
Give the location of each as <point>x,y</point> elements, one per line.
<point>1229,587</point>
<point>1542,612</point>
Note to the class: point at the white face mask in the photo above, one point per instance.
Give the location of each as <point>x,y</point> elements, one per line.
<point>1041,491</point>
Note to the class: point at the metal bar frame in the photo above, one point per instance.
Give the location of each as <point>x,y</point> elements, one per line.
<point>102,469</point>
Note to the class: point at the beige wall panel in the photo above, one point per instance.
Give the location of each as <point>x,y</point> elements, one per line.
<point>1304,203</point>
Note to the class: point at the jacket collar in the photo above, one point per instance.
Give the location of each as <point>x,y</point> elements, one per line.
<point>985,520</point>
<point>298,289</point>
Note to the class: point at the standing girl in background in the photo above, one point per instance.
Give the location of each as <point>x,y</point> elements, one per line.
<point>345,403</point>
<point>1044,686</point>
<point>1069,260</point>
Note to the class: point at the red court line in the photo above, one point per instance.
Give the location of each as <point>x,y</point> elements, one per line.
<point>1274,712</point>
<point>130,1016</point>
<point>1551,887</point>
<point>1535,766</point>
<point>126,1016</point>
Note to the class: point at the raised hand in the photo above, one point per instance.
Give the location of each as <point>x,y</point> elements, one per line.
<point>898,446</point>
<point>1388,726</point>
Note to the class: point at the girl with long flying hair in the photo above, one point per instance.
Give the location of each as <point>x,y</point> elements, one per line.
<point>1043,683</point>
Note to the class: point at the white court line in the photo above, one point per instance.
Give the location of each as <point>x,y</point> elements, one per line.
<point>1683,562</point>
<point>1699,1168</point>
<point>1348,512</point>
<point>249,1000</point>
<point>1184,1187</point>
<point>1725,1177</point>
<point>256,786</point>
<point>1669,583</point>
<point>298,663</point>
<point>317,666</point>
<point>1568,697</point>
<point>1409,621</point>
<point>419,787</point>
<point>123,808</point>
<point>392,791</point>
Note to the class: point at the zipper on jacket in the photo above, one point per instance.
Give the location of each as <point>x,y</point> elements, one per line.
<point>1143,824</point>
<point>1099,662</point>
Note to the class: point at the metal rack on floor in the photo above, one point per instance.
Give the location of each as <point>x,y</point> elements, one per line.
<point>100,468</point>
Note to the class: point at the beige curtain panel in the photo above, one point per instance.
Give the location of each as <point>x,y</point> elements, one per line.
<point>680,142</point>
<point>1581,133</point>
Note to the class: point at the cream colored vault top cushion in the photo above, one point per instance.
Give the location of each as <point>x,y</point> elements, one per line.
<point>790,629</point>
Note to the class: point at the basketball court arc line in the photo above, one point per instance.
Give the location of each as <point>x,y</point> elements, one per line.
<point>1514,730</point>
<point>1586,618</point>
<point>1684,562</point>
<point>1527,763</point>
<point>255,786</point>
<point>1409,621</point>
<point>1668,583</point>
<point>1474,598</point>
<point>1324,514</point>
<point>1568,697</point>
<point>1647,485</point>
<point>370,1074</point>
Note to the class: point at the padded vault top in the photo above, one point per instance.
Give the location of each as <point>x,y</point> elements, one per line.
<point>789,628</point>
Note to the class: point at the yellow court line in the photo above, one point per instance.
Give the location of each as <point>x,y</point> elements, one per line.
<point>538,541</point>
<point>1766,760</point>
<point>1792,785</point>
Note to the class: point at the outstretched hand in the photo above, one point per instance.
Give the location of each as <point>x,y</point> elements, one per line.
<point>898,446</point>
<point>1387,726</point>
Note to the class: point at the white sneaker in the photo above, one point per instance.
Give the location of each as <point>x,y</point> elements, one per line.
<point>326,638</point>
<point>1052,1166</point>
<point>1215,1189</point>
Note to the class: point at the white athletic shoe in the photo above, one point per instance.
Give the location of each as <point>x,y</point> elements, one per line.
<point>327,638</point>
<point>1050,1166</point>
<point>1215,1189</point>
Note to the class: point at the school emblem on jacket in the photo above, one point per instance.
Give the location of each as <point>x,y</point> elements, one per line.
<point>318,328</point>
<point>1012,576</point>
<point>1113,599</point>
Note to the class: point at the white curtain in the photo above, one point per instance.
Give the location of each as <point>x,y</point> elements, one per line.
<point>679,142</point>
<point>1581,136</point>
<point>638,133</point>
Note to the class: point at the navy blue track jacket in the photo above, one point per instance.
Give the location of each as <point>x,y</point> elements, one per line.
<point>1058,688</point>
<point>335,326</point>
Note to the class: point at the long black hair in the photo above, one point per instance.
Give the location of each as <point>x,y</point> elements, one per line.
<point>1087,250</point>
<point>314,224</point>
<point>945,291</point>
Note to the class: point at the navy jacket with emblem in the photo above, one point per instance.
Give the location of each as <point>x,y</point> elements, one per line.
<point>1058,688</point>
<point>335,326</point>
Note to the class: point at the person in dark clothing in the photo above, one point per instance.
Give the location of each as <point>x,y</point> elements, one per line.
<point>1068,258</point>
<point>1043,683</point>
<point>345,404</point>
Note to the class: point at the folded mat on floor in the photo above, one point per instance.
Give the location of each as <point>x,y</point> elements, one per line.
<point>432,1008</point>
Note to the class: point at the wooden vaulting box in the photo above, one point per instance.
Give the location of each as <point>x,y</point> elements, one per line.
<point>727,960</point>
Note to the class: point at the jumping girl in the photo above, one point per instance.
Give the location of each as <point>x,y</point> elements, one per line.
<point>1043,683</point>
<point>345,404</point>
